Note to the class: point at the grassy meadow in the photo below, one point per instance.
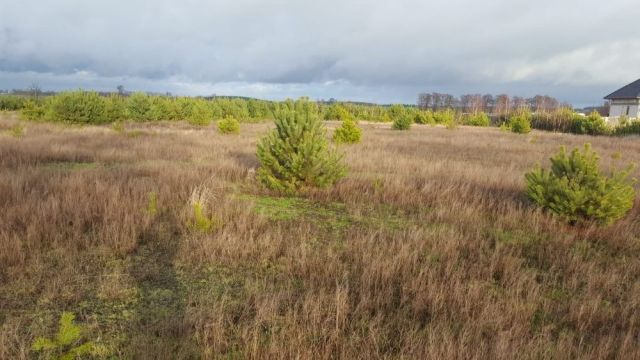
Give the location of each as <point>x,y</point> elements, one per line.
<point>428,249</point>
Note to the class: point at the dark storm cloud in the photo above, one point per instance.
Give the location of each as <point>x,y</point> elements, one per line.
<point>380,51</point>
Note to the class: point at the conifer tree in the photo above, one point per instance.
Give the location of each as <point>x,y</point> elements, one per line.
<point>349,132</point>
<point>296,154</point>
<point>575,189</point>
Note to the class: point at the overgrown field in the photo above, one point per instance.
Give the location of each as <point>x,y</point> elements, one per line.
<point>163,244</point>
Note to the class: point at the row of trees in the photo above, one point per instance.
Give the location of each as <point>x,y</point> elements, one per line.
<point>499,104</point>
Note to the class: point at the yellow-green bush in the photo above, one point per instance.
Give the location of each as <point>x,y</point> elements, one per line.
<point>348,132</point>
<point>229,125</point>
<point>85,107</point>
<point>575,189</point>
<point>520,122</point>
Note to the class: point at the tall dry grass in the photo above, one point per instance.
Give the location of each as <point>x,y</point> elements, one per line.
<point>428,249</point>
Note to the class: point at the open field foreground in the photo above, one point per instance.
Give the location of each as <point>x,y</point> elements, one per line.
<point>428,249</point>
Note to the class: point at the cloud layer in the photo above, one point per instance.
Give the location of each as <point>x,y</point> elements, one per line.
<point>363,50</point>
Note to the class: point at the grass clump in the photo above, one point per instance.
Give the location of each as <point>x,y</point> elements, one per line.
<point>296,154</point>
<point>575,188</point>
<point>201,221</point>
<point>16,131</point>
<point>229,125</point>
<point>67,344</point>
<point>520,123</point>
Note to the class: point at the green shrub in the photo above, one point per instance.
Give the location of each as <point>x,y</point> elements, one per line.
<point>591,125</point>
<point>445,117</point>
<point>477,119</point>
<point>115,108</point>
<point>575,189</point>
<point>396,111</point>
<point>33,110</point>
<point>67,344</point>
<point>520,122</point>
<point>402,122</point>
<point>200,113</point>
<point>83,107</point>
<point>629,128</point>
<point>424,117</point>
<point>12,102</point>
<point>229,125</point>
<point>296,155</point>
<point>139,107</point>
<point>348,133</point>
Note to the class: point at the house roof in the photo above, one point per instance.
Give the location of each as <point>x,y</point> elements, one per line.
<point>631,91</point>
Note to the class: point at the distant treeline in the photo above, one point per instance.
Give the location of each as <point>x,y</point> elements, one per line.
<point>87,107</point>
<point>494,104</point>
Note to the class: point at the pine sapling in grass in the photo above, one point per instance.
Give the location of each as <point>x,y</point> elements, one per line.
<point>576,190</point>
<point>348,133</point>
<point>67,344</point>
<point>296,154</point>
<point>229,125</point>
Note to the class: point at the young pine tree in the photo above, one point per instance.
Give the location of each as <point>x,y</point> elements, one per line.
<point>575,189</point>
<point>349,132</point>
<point>296,154</point>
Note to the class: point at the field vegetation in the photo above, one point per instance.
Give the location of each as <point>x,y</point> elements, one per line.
<point>153,236</point>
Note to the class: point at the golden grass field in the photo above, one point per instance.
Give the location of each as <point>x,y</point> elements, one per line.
<point>428,249</point>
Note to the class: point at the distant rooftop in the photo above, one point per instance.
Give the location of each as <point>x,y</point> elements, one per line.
<point>631,91</point>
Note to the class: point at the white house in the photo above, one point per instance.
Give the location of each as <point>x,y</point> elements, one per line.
<point>625,101</point>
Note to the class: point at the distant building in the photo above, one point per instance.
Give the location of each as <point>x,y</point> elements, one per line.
<point>625,101</point>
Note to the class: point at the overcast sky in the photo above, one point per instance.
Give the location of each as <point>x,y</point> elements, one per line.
<point>380,51</point>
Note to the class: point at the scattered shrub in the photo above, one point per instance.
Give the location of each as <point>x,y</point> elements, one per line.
<point>33,110</point>
<point>402,122</point>
<point>295,155</point>
<point>575,189</point>
<point>348,133</point>
<point>591,125</point>
<point>229,125</point>
<point>444,117</point>
<point>520,123</point>
<point>629,128</point>
<point>477,119</point>
<point>424,117</point>
<point>12,102</point>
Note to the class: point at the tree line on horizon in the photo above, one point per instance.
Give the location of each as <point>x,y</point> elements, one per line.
<point>502,104</point>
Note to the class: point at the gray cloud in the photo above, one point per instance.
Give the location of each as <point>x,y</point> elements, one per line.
<point>364,50</point>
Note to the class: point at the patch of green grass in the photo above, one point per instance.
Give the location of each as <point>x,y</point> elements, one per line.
<point>335,215</point>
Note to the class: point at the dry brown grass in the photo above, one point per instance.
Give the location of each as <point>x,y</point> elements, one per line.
<point>428,249</point>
